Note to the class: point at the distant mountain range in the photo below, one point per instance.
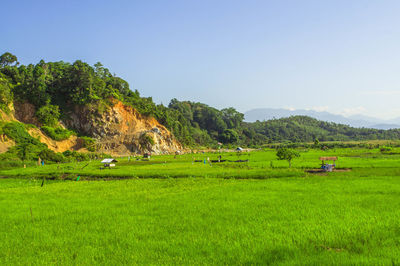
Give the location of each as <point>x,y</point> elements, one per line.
<point>262,114</point>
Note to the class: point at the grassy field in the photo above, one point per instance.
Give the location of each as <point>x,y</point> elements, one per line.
<point>258,212</point>
<point>262,164</point>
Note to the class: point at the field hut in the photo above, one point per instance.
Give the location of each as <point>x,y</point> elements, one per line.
<point>109,162</point>
<point>239,149</point>
<point>328,167</point>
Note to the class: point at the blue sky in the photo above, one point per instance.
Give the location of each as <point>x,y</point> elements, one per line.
<point>338,56</point>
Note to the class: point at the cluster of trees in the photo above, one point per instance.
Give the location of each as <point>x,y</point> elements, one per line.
<point>204,124</point>
<point>53,86</point>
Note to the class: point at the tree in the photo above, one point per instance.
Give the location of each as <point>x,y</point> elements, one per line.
<point>316,143</point>
<point>232,117</point>
<point>287,154</point>
<point>229,136</point>
<point>7,59</point>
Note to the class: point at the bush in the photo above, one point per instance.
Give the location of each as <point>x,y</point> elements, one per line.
<point>146,141</point>
<point>57,133</point>
<point>48,115</point>
<point>49,155</point>
<point>79,156</point>
<point>18,133</point>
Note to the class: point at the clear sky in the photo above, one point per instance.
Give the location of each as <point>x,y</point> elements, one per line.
<point>339,56</point>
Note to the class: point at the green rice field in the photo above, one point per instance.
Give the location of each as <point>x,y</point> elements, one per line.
<point>178,211</point>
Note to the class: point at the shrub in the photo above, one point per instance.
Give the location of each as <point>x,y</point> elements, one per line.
<point>57,133</point>
<point>18,133</point>
<point>49,155</point>
<point>146,140</point>
<point>48,115</point>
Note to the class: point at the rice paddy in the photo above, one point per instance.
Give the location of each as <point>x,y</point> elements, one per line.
<point>177,211</point>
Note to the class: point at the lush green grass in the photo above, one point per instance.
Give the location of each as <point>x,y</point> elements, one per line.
<point>261,165</point>
<point>339,218</point>
<point>321,219</point>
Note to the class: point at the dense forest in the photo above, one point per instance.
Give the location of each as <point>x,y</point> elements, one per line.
<point>54,87</point>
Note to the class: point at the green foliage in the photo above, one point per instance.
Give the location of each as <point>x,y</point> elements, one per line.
<point>146,141</point>
<point>316,142</point>
<point>48,115</point>
<point>220,125</point>
<point>27,148</point>
<point>287,154</point>
<point>18,133</point>
<point>89,143</point>
<point>57,133</point>
<point>229,136</point>
<point>6,95</point>
<point>49,155</point>
<point>8,59</point>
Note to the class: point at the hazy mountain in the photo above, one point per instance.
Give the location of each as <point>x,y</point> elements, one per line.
<point>385,126</point>
<point>262,114</point>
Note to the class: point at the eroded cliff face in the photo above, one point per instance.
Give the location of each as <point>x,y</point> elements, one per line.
<point>120,130</point>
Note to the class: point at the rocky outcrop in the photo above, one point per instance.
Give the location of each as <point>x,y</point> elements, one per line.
<point>120,130</point>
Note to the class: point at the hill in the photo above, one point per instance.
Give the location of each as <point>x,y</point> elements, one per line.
<point>307,129</point>
<point>54,107</point>
<point>264,114</point>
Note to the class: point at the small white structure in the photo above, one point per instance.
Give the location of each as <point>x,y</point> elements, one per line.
<point>239,149</point>
<point>109,162</point>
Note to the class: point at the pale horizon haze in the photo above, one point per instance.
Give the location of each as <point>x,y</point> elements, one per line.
<point>336,56</point>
